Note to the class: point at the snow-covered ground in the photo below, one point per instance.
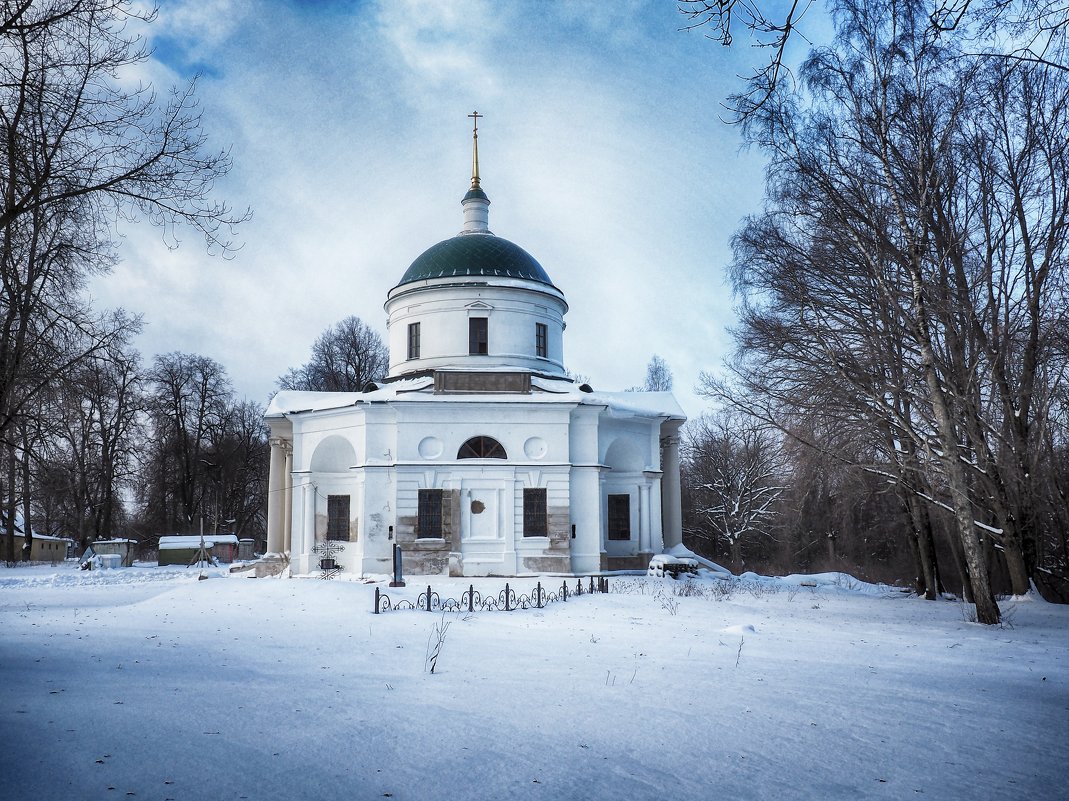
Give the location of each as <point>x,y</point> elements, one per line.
<point>149,684</point>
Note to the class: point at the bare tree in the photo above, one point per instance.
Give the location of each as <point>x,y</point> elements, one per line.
<point>1013,31</point>
<point>241,451</point>
<point>345,358</point>
<point>767,31</point>
<point>86,459</point>
<point>734,475</point>
<point>189,399</point>
<point>82,150</point>
<point>658,376</point>
<point>868,274</point>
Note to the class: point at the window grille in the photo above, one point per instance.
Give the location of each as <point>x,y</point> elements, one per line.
<point>481,448</point>
<point>619,522</point>
<point>429,519</point>
<point>338,517</point>
<point>535,523</point>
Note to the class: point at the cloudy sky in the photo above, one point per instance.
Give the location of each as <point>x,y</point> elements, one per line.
<point>602,152</point>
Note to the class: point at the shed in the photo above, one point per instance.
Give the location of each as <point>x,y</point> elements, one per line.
<point>126,549</point>
<point>182,550</point>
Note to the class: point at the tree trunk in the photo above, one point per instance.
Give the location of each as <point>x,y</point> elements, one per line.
<point>27,528</point>
<point>983,598</point>
<point>1015,564</point>
<point>918,568</point>
<point>925,547</point>
<point>10,505</point>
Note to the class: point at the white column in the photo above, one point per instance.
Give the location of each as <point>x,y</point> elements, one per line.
<point>584,493</point>
<point>287,496</point>
<point>514,534</point>
<point>644,518</point>
<point>671,498</point>
<point>275,500</point>
<point>309,528</point>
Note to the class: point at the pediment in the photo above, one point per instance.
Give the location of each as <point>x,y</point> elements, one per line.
<point>479,306</point>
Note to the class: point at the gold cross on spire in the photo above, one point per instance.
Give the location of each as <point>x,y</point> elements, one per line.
<point>475,150</point>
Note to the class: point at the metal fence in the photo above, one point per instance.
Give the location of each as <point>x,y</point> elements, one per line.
<point>471,600</point>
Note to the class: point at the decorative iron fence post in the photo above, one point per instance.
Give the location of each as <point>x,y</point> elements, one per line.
<point>471,597</point>
<point>564,590</point>
<point>592,585</point>
<point>538,598</point>
<point>376,600</point>
<point>428,597</point>
<point>507,598</point>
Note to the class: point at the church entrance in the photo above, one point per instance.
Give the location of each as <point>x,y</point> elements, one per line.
<point>481,525</point>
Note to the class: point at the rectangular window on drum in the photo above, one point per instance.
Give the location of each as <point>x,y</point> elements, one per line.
<point>338,517</point>
<point>413,340</point>
<point>541,340</point>
<point>429,514</point>
<point>477,336</point>
<point>535,523</point>
<point>619,522</point>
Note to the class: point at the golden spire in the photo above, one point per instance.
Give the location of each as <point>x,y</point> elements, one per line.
<point>475,150</point>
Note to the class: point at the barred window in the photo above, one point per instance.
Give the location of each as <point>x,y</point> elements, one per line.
<point>482,448</point>
<point>478,337</point>
<point>619,522</point>
<point>413,340</point>
<point>541,340</point>
<point>429,520</point>
<point>535,523</point>
<point>338,517</point>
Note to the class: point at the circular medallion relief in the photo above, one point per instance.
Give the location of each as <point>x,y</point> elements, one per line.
<point>430,447</point>
<point>535,448</point>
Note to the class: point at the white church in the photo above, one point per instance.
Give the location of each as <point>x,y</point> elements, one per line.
<point>476,454</point>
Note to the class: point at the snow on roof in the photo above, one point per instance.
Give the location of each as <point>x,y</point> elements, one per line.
<point>293,402</point>
<point>193,541</point>
<point>37,536</point>
<point>20,528</point>
<point>547,390</point>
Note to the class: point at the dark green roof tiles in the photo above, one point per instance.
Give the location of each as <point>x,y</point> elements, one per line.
<point>475,254</point>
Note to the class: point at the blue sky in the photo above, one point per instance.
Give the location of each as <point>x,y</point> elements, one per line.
<point>602,151</point>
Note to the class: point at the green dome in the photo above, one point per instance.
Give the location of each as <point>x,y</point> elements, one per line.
<point>475,254</point>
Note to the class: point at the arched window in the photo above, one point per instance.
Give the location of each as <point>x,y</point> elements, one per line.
<point>481,448</point>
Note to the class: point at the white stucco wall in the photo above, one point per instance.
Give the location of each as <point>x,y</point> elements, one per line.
<point>443,307</point>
